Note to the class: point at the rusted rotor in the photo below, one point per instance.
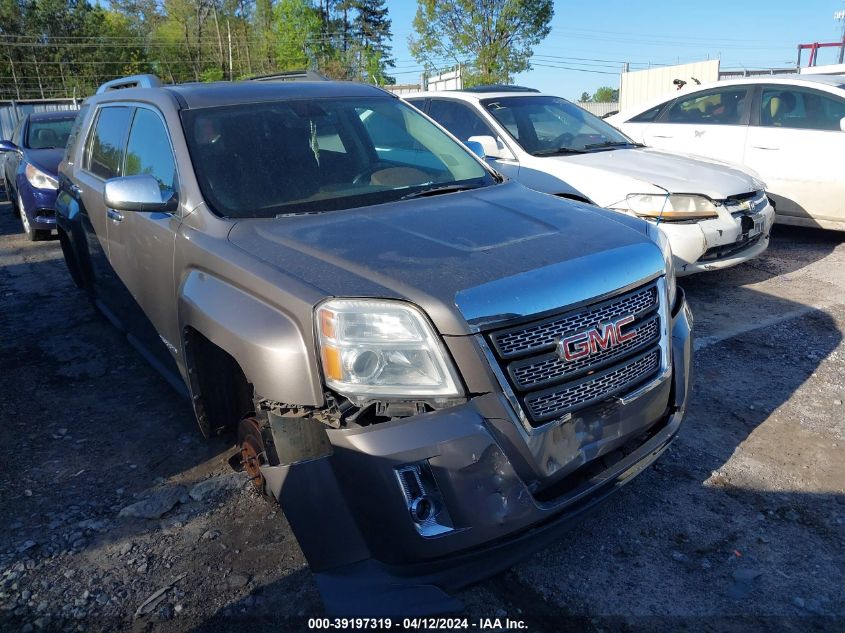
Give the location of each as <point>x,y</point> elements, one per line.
<point>252,450</point>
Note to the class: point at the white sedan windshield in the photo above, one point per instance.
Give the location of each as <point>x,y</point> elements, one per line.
<point>550,125</point>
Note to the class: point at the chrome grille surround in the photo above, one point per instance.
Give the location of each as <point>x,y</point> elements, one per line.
<point>545,391</point>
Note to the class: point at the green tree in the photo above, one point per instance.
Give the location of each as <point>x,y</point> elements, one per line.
<point>585,97</point>
<point>606,94</point>
<point>494,37</point>
<point>297,25</point>
<point>371,29</point>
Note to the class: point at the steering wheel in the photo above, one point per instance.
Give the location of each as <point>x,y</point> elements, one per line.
<point>368,172</point>
<point>562,139</point>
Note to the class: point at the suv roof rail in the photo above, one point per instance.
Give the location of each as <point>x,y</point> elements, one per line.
<point>133,81</point>
<point>498,88</point>
<point>291,75</point>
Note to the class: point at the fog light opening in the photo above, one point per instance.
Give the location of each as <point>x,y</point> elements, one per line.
<point>423,509</point>
<point>423,499</point>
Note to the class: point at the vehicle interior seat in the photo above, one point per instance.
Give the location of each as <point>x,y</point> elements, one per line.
<point>778,107</point>
<point>45,137</point>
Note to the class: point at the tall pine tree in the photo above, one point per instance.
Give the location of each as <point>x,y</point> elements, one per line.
<point>371,28</point>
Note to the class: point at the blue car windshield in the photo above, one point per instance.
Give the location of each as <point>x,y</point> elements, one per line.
<point>49,133</point>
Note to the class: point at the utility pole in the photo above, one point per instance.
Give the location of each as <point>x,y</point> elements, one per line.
<point>14,77</point>
<point>840,17</point>
<point>229,33</point>
<point>38,74</point>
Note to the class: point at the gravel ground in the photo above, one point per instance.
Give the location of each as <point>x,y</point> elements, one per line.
<point>116,514</point>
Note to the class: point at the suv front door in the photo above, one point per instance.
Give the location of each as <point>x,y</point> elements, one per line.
<point>141,244</point>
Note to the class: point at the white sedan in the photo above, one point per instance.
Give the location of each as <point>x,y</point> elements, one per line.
<point>790,129</point>
<point>715,215</point>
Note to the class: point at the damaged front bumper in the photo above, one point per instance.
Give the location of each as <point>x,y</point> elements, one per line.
<point>374,553</point>
<point>722,242</point>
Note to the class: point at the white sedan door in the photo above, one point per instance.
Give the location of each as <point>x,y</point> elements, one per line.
<point>797,146</point>
<point>711,123</point>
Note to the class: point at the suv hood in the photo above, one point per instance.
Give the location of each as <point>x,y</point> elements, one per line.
<point>469,257</point>
<point>607,177</point>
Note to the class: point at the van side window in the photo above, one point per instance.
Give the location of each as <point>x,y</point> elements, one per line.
<point>148,150</point>
<point>107,142</point>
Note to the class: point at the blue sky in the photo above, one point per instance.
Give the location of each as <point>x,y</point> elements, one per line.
<point>590,40</point>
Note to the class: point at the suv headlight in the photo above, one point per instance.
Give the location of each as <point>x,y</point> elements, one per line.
<point>659,238</point>
<point>39,179</point>
<point>674,207</point>
<point>379,349</point>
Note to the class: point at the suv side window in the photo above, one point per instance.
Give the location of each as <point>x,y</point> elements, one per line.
<point>784,106</point>
<point>148,150</point>
<point>70,149</point>
<point>107,140</point>
<point>459,119</point>
<point>722,106</point>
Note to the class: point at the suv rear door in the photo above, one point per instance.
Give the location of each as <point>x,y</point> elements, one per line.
<point>101,160</point>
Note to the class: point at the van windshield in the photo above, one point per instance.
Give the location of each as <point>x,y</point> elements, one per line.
<point>545,126</point>
<point>297,156</point>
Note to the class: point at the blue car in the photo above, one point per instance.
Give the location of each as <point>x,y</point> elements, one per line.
<point>31,166</point>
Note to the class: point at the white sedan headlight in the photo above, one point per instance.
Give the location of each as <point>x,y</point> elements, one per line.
<point>673,207</point>
<point>39,179</point>
<point>379,349</point>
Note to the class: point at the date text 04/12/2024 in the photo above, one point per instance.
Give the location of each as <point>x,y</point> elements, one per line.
<point>442,624</point>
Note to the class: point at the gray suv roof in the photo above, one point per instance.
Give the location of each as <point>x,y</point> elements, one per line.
<point>204,95</point>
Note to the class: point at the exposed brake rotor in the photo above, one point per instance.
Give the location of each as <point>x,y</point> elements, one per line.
<point>253,454</point>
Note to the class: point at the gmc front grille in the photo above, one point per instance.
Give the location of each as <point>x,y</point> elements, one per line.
<point>548,387</point>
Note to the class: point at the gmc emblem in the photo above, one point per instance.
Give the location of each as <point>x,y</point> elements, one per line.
<point>595,340</point>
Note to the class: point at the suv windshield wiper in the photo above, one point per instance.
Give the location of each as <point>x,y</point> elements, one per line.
<point>436,191</point>
<point>613,144</point>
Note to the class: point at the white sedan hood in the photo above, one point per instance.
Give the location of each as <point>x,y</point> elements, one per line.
<point>607,177</point>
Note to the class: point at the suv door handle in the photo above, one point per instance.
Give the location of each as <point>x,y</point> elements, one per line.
<point>114,215</point>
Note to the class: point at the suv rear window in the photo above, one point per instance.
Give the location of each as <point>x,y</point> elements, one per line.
<point>298,156</point>
<point>107,142</point>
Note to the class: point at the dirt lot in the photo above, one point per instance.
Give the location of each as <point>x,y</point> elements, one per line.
<point>740,526</point>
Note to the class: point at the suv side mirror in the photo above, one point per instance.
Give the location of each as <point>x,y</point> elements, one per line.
<point>139,193</point>
<point>492,147</point>
<point>8,146</point>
